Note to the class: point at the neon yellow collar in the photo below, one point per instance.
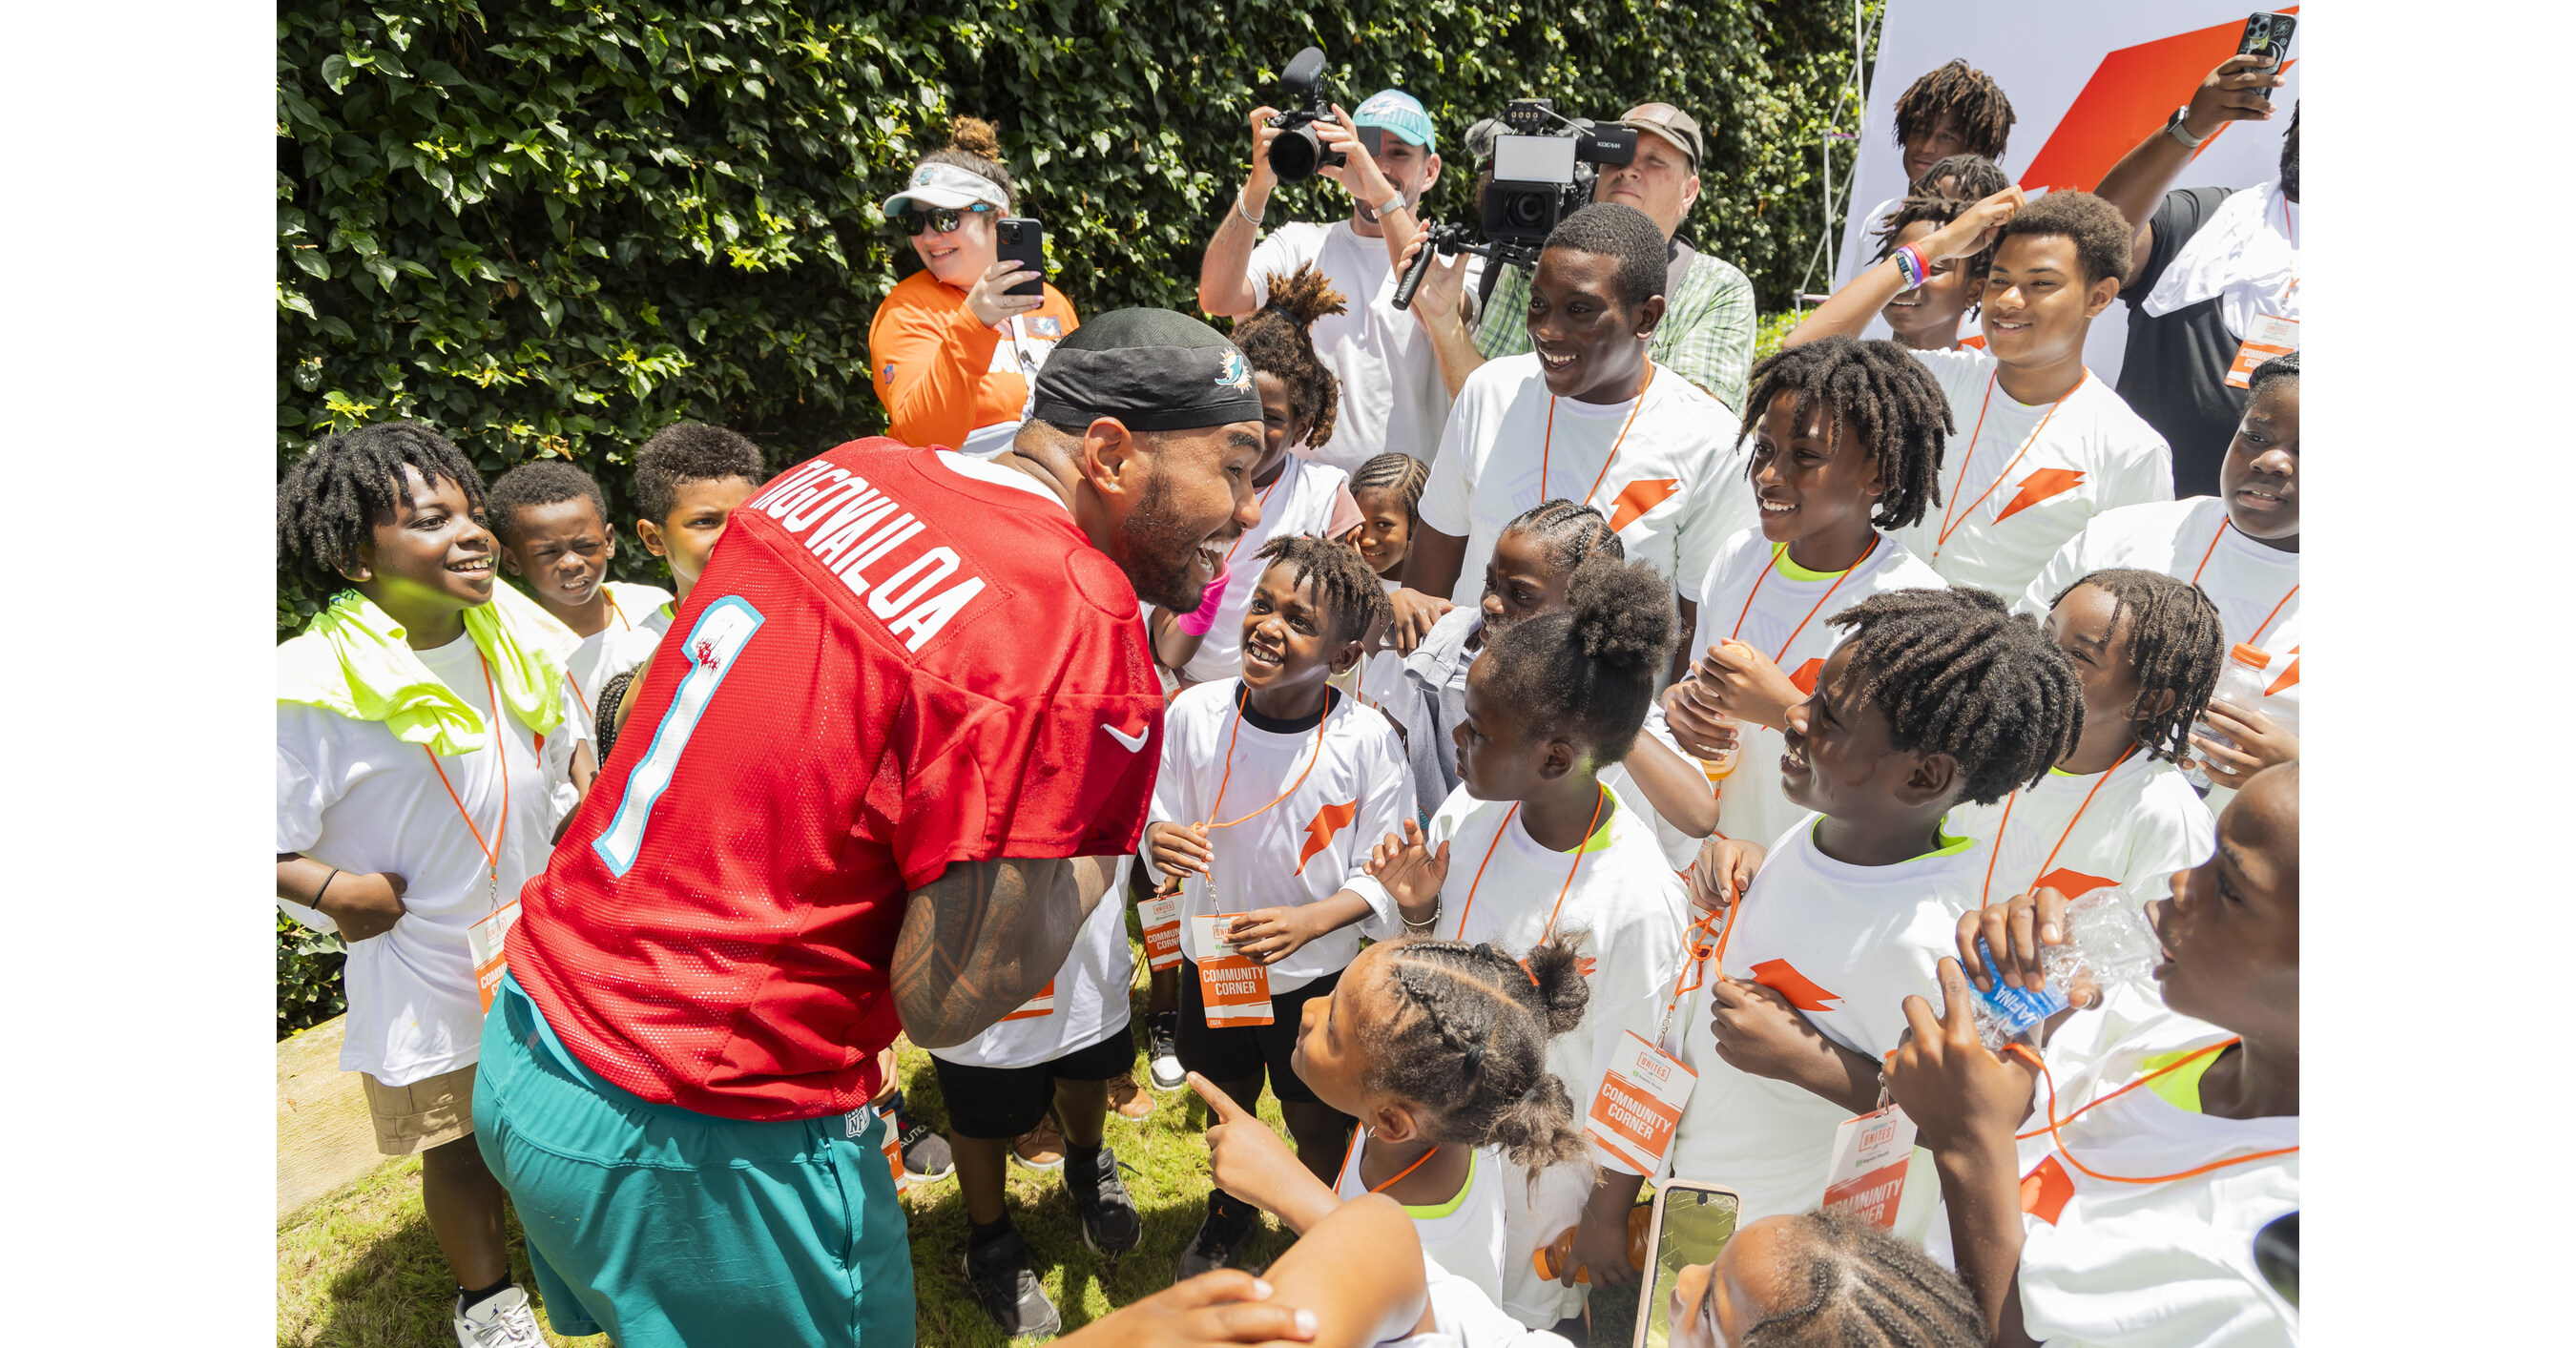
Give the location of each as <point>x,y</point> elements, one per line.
<point>1790,570</point>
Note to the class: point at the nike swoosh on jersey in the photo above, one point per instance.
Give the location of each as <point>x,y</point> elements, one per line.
<point>2071,883</point>
<point>1640,496</point>
<point>1328,821</point>
<point>1783,978</point>
<point>2040,486</point>
<point>1134,743</point>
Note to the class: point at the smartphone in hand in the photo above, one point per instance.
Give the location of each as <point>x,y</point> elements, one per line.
<point>2268,36</point>
<point>1024,242</point>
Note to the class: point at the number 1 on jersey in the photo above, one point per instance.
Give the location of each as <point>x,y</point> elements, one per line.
<point>719,636</point>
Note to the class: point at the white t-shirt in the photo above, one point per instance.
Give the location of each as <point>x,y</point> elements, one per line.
<point>1676,491</point>
<point>1304,849</point>
<point>2148,1265</point>
<point>1679,848</point>
<point>2254,586</point>
<point>612,650</point>
<point>2144,823</point>
<point>1090,991</point>
<point>1464,1234</point>
<point>1298,501</point>
<point>1464,1315</point>
<point>1629,904</point>
<point>1756,595</point>
<point>351,795</point>
<point>1847,945</point>
<point>1382,674</point>
<point>1392,396</point>
<point>2008,509</point>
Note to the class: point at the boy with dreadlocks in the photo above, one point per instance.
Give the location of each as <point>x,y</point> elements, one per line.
<point>1531,845</point>
<point>411,802</point>
<point>1847,444</point>
<point>1271,785</point>
<point>1299,494</point>
<point>1927,317</point>
<point>1934,699</point>
<point>1956,109</point>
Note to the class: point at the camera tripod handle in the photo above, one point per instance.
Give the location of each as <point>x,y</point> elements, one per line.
<point>1439,238</point>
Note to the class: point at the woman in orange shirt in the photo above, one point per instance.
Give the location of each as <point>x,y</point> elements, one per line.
<point>954,357</point>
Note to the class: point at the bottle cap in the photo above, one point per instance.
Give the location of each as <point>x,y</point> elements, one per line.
<point>2250,655</point>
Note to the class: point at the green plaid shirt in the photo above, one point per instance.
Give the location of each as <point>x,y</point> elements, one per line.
<point>1706,335</point>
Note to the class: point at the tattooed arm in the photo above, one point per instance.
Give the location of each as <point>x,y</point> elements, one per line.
<point>985,937</point>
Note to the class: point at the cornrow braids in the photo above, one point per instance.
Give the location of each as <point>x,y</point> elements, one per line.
<point>330,499</point>
<point>1955,672</point>
<point>1570,532</point>
<point>1879,400</point>
<point>1586,673</point>
<point>690,451</point>
<point>2283,366</point>
<point>1866,1288</point>
<point>1398,472</point>
<point>543,483</point>
<point>1278,340</point>
<point>2175,644</point>
<point>1352,597</point>
<point>1966,93</point>
<point>1468,1044</point>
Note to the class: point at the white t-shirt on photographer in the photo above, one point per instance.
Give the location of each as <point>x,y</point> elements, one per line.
<point>1392,396</point>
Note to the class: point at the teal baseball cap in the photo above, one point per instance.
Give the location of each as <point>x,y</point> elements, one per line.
<point>1397,111</point>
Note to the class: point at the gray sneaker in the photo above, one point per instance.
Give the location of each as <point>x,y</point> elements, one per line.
<point>1219,1244</point>
<point>998,1273</point>
<point>1110,1225</point>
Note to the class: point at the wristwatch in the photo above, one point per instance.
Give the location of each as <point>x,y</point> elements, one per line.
<point>2174,128</point>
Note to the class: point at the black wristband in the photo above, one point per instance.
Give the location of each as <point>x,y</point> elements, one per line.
<point>325,889</point>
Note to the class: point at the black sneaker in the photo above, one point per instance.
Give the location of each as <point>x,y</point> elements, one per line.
<point>925,1153</point>
<point>999,1275</point>
<point>1109,1222</point>
<point>1220,1240</point>
<point>1162,1055</point>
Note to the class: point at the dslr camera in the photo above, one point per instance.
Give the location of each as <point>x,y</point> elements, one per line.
<point>1544,169</point>
<point>1298,152</point>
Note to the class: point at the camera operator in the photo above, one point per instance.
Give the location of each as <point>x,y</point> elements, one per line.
<point>1391,394</point>
<point>1707,332</point>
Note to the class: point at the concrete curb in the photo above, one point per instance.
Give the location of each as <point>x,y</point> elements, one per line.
<point>324,1138</point>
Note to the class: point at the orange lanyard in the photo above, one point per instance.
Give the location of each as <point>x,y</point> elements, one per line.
<point>500,745</point>
<point>1561,891</point>
<point>1244,700</point>
<point>1392,1181</point>
<point>1548,443</point>
<point>620,615</point>
<point>1844,575</point>
<point>1948,528</point>
<point>2224,524</point>
<point>2054,1122</point>
<point>1996,848</point>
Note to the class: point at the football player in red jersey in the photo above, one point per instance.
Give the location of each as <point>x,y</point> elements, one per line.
<point>917,725</point>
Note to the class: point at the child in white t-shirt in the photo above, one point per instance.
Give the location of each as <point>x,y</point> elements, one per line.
<point>1440,1050</point>
<point>1271,785</point>
<point>1847,444</point>
<point>2045,445</point>
<point>1934,699</point>
<point>551,521</point>
<point>2241,547</point>
<point>2084,1209</point>
<point>1388,492</point>
<point>1299,403</point>
<point>411,801</point>
<point>1532,845</point>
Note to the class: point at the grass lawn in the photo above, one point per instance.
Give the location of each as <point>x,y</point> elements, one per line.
<point>360,1269</point>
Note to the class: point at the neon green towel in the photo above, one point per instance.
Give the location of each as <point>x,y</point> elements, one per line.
<point>352,659</point>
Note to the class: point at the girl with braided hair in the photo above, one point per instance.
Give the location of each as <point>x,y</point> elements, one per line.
<point>1821,1278</point>
<point>1532,845</point>
<point>1440,1050</point>
<point>1299,495</point>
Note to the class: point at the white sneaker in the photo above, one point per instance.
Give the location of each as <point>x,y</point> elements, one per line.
<point>501,1320</point>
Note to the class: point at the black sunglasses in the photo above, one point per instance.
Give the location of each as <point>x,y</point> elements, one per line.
<point>944,219</point>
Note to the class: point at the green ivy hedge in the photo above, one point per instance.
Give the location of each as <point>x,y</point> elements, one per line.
<point>552,229</point>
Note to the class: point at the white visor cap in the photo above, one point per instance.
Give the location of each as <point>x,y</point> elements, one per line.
<point>947,185</point>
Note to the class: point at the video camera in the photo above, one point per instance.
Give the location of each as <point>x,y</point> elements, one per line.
<point>1299,152</point>
<point>1542,174</point>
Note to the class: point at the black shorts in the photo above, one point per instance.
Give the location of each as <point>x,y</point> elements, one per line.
<point>1240,1052</point>
<point>1003,1102</point>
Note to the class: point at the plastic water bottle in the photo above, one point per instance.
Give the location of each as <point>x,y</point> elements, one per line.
<point>2241,683</point>
<point>1720,768</point>
<point>2107,936</point>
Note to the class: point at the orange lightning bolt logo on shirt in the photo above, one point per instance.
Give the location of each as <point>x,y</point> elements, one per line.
<point>1638,497</point>
<point>1328,821</point>
<point>2040,486</point>
<point>1783,977</point>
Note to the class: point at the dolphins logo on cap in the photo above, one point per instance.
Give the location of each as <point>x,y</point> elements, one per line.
<point>1232,372</point>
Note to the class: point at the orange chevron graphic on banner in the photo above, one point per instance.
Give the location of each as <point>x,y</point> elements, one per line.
<point>1806,675</point>
<point>2040,486</point>
<point>1328,821</point>
<point>2130,95</point>
<point>2288,677</point>
<point>1782,977</point>
<point>2072,884</point>
<point>1638,497</point>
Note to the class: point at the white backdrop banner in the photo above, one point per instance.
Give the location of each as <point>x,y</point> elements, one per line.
<point>2087,81</point>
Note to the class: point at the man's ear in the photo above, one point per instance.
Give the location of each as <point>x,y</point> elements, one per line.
<point>1113,460</point>
<point>2100,296</point>
<point>1934,776</point>
<point>1649,315</point>
<point>1430,174</point>
<point>1690,192</point>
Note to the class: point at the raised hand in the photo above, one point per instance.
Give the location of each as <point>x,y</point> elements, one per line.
<point>1411,871</point>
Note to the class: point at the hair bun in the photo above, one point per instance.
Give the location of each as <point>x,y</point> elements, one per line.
<point>1304,296</point>
<point>975,136</point>
<point>1623,612</point>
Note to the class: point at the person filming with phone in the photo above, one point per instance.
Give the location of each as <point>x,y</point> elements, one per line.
<point>956,347</point>
<point>1384,158</point>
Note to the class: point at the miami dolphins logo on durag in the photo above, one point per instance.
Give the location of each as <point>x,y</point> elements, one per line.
<point>1233,373</point>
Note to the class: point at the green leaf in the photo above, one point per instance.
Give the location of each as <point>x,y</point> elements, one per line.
<point>336,72</point>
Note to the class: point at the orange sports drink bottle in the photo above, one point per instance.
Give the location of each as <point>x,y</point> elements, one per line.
<point>1550,1259</point>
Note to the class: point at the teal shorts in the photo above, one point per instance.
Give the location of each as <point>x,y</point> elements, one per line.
<point>663,1226</point>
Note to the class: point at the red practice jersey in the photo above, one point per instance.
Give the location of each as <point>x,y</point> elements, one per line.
<point>892,664</point>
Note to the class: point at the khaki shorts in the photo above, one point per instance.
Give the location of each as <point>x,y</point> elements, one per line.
<point>427,1113</point>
